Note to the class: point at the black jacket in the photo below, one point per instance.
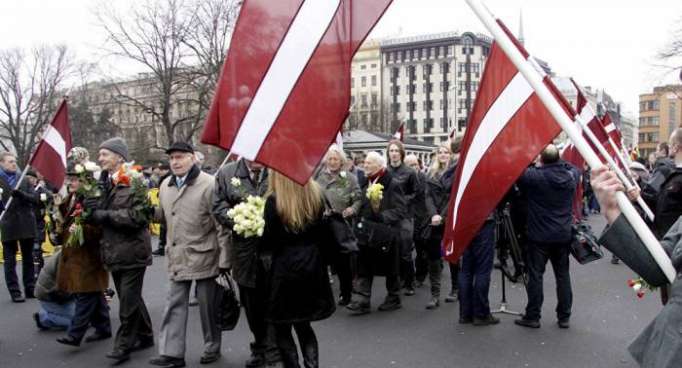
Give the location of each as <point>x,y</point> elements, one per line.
<point>19,221</point>
<point>437,199</point>
<point>406,178</point>
<point>668,204</point>
<point>243,252</point>
<point>392,211</point>
<point>550,190</point>
<point>299,288</point>
<point>125,242</point>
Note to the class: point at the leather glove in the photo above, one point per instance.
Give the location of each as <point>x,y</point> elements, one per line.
<point>91,203</point>
<point>223,271</point>
<point>18,194</point>
<point>99,217</point>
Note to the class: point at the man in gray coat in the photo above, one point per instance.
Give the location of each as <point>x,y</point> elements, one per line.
<point>185,201</point>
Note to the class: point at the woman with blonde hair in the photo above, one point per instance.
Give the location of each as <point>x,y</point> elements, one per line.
<point>295,246</point>
<point>437,197</point>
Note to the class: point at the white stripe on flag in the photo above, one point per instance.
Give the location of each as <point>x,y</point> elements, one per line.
<point>297,48</point>
<point>56,141</point>
<point>587,114</point>
<point>514,95</point>
<point>609,128</point>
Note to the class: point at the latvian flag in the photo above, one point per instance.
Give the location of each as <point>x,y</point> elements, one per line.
<point>508,127</point>
<point>49,159</point>
<point>284,89</point>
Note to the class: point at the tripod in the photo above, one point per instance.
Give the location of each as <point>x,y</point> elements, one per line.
<point>505,231</point>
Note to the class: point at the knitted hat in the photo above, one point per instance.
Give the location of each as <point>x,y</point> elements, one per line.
<point>116,145</point>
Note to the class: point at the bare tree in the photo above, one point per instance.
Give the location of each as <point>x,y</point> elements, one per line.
<point>671,54</point>
<point>30,88</point>
<point>181,45</point>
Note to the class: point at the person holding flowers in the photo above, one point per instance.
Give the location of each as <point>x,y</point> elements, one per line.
<point>342,190</point>
<point>80,271</point>
<point>235,183</point>
<point>123,213</point>
<point>379,220</point>
<point>192,254</point>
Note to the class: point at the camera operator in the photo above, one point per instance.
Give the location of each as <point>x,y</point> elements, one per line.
<point>550,189</point>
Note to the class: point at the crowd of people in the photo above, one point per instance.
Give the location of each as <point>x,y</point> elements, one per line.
<point>395,205</point>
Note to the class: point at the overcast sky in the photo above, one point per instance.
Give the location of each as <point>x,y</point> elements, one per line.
<point>607,44</point>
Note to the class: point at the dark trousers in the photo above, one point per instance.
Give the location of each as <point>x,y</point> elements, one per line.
<point>474,276</point>
<point>163,229</point>
<point>454,277</point>
<point>343,265</point>
<point>135,322</point>
<point>421,262</point>
<point>9,253</point>
<point>538,254</point>
<point>255,301</point>
<point>406,248</point>
<point>91,310</point>
<point>306,339</point>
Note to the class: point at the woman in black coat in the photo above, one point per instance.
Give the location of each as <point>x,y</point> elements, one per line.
<point>437,198</point>
<point>295,249</point>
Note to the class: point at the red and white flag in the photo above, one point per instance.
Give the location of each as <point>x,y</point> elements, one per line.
<point>594,124</point>
<point>49,158</point>
<point>612,130</point>
<point>508,127</point>
<point>400,132</point>
<point>284,90</point>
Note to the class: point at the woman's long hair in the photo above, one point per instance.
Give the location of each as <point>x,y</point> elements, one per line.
<point>437,168</point>
<point>297,205</point>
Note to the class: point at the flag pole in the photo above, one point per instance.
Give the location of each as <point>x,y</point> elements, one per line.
<point>567,125</point>
<point>621,175</point>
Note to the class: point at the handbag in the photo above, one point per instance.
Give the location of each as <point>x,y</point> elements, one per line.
<point>375,235</point>
<point>584,246</point>
<point>228,303</point>
<point>341,230</point>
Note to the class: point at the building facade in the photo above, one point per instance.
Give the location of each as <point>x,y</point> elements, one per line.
<point>430,83</point>
<point>660,113</point>
<point>365,83</point>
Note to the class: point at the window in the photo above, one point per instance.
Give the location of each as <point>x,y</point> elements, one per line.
<point>428,52</point>
<point>427,105</point>
<point>375,99</point>
<point>352,101</point>
<point>352,83</point>
<point>363,67</point>
<point>374,80</point>
<point>363,100</point>
<point>476,67</point>
<point>394,72</point>
<point>427,70</point>
<point>396,91</point>
<point>437,52</point>
<point>363,81</point>
<point>444,68</point>
<point>374,66</point>
<point>461,124</point>
<point>410,106</point>
<point>388,59</point>
<point>396,107</point>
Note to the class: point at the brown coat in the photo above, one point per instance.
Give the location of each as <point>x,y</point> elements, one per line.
<point>80,269</point>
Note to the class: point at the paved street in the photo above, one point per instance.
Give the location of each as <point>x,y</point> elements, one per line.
<point>606,317</point>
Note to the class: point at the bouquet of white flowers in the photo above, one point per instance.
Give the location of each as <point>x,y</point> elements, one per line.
<point>248,217</point>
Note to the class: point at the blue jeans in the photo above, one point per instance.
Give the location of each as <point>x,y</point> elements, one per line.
<point>57,316</point>
<point>474,276</point>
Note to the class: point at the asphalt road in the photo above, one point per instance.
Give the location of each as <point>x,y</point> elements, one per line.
<point>607,316</point>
